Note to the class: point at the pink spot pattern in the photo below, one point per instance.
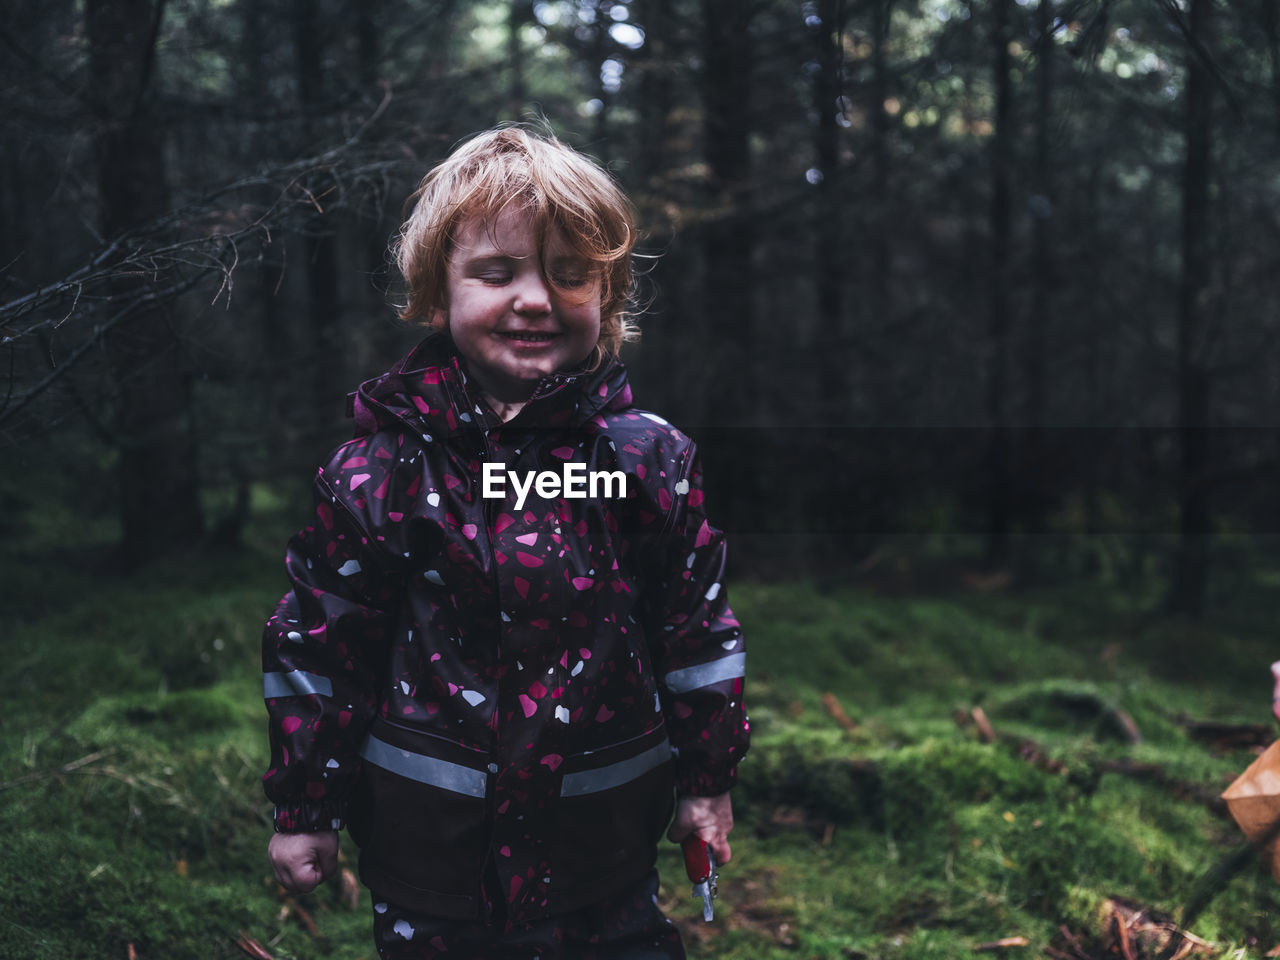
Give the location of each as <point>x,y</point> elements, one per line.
<point>523,635</point>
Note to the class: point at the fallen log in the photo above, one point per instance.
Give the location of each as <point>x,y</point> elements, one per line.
<point>1037,754</point>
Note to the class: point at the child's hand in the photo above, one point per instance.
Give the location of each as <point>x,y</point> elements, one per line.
<point>711,818</point>
<point>302,860</point>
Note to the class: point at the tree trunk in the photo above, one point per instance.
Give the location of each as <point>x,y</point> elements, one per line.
<point>1095,382</point>
<point>728,240</point>
<point>652,63</point>
<point>159,470</point>
<point>323,307</point>
<point>521,12</point>
<point>829,236</point>
<point>1043,275</point>
<point>1191,569</point>
<point>1000,490</point>
<point>1271,30</point>
<point>656,149</point>
<point>367,51</point>
<point>881,254</point>
<point>599,53</point>
<point>439,70</point>
<point>269,370</point>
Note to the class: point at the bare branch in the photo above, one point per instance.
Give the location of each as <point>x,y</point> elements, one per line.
<point>12,408</point>
<point>208,235</point>
<point>203,242</point>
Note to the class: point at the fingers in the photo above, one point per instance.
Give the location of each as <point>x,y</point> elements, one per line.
<point>715,838</point>
<point>711,818</point>
<point>295,875</point>
<point>300,861</point>
<point>297,881</point>
<point>305,878</point>
<point>719,845</point>
<point>288,875</point>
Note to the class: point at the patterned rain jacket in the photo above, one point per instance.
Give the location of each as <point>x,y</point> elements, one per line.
<point>476,688</point>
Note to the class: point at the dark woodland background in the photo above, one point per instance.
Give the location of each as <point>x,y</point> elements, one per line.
<point>971,304</point>
<point>984,268</point>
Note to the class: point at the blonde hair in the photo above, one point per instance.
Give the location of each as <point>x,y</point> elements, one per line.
<point>556,185</point>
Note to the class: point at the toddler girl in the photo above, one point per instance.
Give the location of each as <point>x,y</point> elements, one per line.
<point>507,656</point>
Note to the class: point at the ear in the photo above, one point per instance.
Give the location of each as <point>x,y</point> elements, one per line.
<point>439,319</point>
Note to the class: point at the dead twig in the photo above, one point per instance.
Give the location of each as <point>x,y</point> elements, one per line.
<point>11,409</point>
<point>1131,732</point>
<point>350,889</point>
<point>837,713</point>
<point>58,771</point>
<point>985,731</point>
<point>252,947</point>
<point>1122,934</point>
<point>1074,943</point>
<point>307,921</point>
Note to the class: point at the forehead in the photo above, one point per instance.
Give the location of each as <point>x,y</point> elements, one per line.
<point>511,232</point>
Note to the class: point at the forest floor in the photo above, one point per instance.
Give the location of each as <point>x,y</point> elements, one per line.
<point>1072,814</point>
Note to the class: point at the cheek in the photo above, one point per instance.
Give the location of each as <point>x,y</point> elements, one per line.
<point>588,331</point>
<point>588,316</point>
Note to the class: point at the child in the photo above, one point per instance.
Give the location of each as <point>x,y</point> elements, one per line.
<point>507,639</point>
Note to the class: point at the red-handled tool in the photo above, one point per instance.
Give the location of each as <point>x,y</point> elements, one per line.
<point>700,864</point>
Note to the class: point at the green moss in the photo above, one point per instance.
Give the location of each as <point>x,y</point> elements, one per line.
<point>904,837</point>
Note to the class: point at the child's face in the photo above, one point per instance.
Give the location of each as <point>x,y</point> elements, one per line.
<point>512,325</point>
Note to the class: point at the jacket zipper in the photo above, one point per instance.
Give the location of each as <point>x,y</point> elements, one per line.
<point>491,799</point>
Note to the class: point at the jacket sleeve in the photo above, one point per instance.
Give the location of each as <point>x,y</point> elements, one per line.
<point>322,653</point>
<point>698,647</point>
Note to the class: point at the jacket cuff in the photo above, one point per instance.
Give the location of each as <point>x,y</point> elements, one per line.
<point>704,783</point>
<point>309,817</point>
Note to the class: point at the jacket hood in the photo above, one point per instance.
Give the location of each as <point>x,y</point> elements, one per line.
<point>430,391</point>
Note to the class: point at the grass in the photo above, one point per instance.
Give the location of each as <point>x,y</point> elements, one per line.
<point>133,745</point>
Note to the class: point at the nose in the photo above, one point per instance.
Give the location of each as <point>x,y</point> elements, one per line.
<point>532,295</point>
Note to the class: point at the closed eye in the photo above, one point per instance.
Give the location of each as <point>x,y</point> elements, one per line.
<point>570,280</point>
<point>494,271</point>
<point>570,273</point>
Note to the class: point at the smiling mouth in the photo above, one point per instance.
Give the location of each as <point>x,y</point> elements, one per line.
<point>524,337</point>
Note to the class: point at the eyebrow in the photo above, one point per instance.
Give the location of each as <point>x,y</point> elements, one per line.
<point>493,256</point>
